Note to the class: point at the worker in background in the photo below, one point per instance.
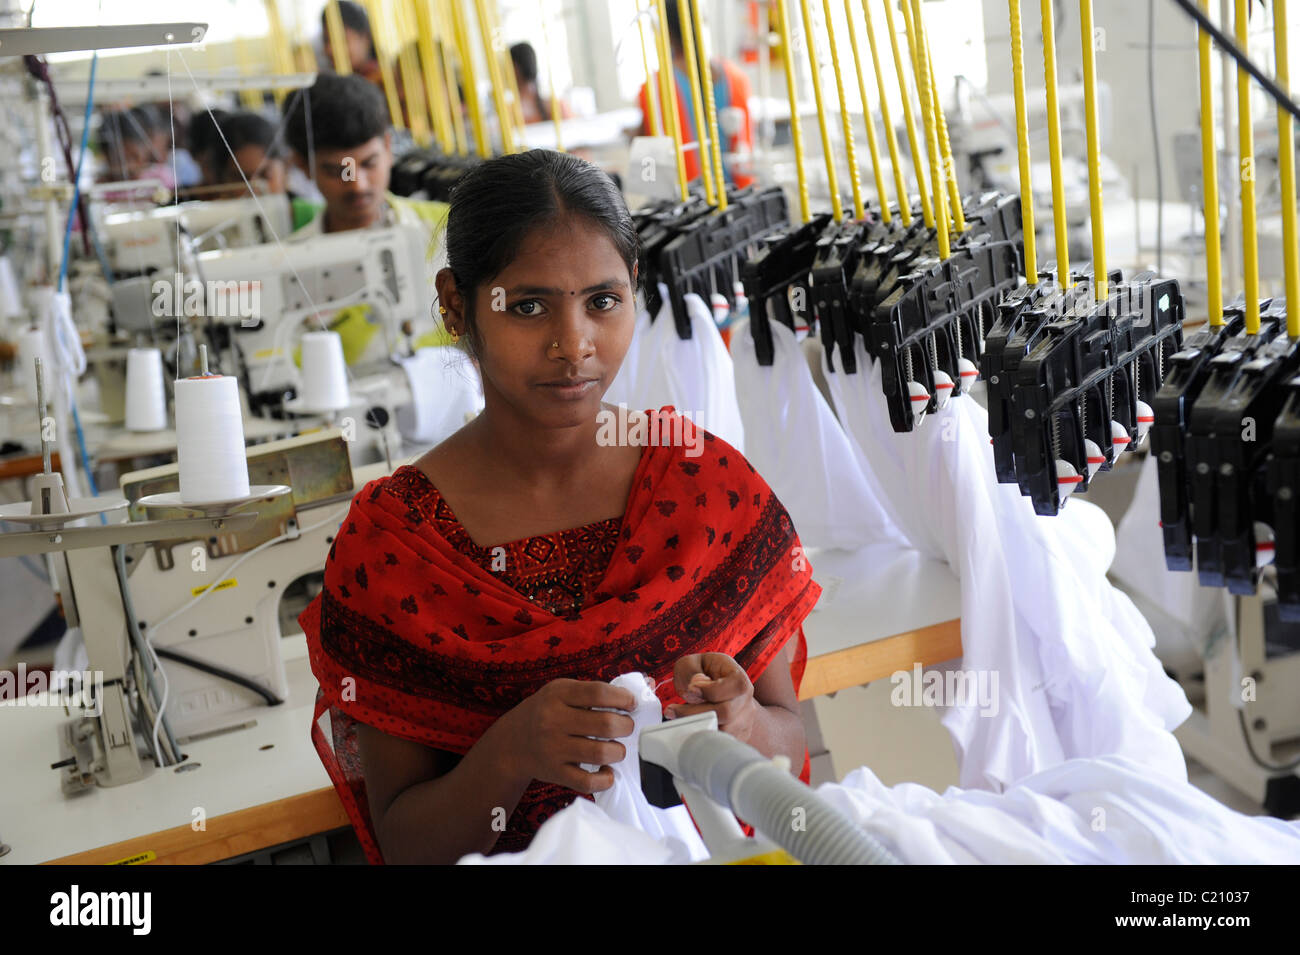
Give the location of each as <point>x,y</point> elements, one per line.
<point>360,41</point>
<point>339,134</point>
<point>205,141</point>
<point>536,109</point>
<point>249,152</point>
<point>135,143</point>
<point>731,96</point>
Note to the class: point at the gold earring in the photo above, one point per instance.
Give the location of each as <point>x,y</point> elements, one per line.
<point>455,336</point>
<point>442,310</point>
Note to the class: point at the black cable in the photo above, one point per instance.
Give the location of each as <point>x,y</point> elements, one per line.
<point>263,692</point>
<point>1155,135</point>
<point>1243,60</point>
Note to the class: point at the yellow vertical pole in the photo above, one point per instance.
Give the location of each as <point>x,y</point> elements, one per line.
<point>711,107</point>
<point>446,38</point>
<point>668,86</point>
<point>837,208</point>
<point>850,149</point>
<point>338,40</point>
<point>927,214</point>
<point>651,94</point>
<point>504,116</point>
<point>466,57</point>
<point>280,54</point>
<point>891,140</point>
<point>796,127</point>
<point>697,100</point>
<point>384,56</point>
<point>431,70</point>
<point>945,147</point>
<point>1210,180</point>
<point>1054,147</point>
<point>1094,152</point>
<point>509,84</point>
<point>931,144</point>
<point>1286,171</point>
<point>1022,142</point>
<point>417,109</point>
<point>867,119</point>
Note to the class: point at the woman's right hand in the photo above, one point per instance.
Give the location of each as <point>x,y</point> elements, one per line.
<point>547,736</point>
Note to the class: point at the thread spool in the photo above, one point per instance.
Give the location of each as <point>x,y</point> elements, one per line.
<point>146,401</point>
<point>324,374</point>
<point>11,303</point>
<point>210,440</point>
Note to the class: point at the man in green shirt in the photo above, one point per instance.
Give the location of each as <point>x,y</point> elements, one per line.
<point>340,136</point>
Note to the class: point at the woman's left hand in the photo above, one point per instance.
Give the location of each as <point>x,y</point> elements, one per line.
<point>714,681</point>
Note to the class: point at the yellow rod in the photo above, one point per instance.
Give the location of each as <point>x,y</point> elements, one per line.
<point>509,83</point>
<point>338,40</point>
<point>252,99</point>
<point>651,94</point>
<point>837,208</point>
<point>668,84</point>
<point>702,145</point>
<point>431,70</point>
<point>1054,147</point>
<point>555,92</point>
<point>1246,173</point>
<point>931,140</point>
<point>466,57</point>
<point>280,54</point>
<point>927,214</point>
<point>796,128</point>
<point>945,147</point>
<point>385,58</point>
<point>447,45</point>
<point>504,117</point>
<point>1099,282</point>
<point>850,148</point>
<point>1286,171</point>
<point>417,110</point>
<point>928,119</point>
<point>711,107</point>
<point>891,140</point>
<point>866,115</point>
<point>1210,180</point>
<point>1022,142</point>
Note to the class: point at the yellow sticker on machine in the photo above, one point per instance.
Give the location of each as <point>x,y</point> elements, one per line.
<point>775,857</point>
<point>140,859</point>
<point>224,585</point>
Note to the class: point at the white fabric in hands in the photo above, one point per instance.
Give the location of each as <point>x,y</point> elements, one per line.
<point>1076,676</point>
<point>622,825</point>
<point>796,443</point>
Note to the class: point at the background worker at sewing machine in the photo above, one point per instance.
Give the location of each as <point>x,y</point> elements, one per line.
<point>360,41</point>
<point>342,140</point>
<point>253,155</point>
<point>134,143</point>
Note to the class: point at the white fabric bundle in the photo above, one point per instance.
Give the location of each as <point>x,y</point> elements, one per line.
<point>623,805</point>
<point>445,392</point>
<point>1071,655</point>
<point>796,443</point>
<point>695,376</point>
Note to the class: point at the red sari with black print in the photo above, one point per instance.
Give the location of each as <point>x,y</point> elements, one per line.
<point>425,636</point>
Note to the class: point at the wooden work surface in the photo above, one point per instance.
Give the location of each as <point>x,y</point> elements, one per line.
<point>880,611</point>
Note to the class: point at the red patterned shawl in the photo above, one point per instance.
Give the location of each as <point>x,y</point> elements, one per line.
<point>411,636</point>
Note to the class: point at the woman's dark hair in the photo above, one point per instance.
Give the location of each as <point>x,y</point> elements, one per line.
<point>136,124</point>
<point>203,133</point>
<point>499,202</point>
<point>524,58</point>
<point>354,18</point>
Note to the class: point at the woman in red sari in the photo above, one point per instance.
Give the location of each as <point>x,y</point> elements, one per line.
<point>477,603</point>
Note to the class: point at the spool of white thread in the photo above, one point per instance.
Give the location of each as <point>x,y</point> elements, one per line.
<point>210,440</point>
<point>146,401</point>
<point>324,374</point>
<point>11,303</point>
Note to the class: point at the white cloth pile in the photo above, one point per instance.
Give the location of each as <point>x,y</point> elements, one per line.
<point>1071,656</point>
<point>695,375</point>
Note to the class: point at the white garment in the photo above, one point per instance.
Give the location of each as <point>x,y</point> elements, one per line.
<point>695,376</point>
<point>796,443</point>
<point>1071,655</point>
<point>1108,810</point>
<point>445,391</point>
<point>623,805</point>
